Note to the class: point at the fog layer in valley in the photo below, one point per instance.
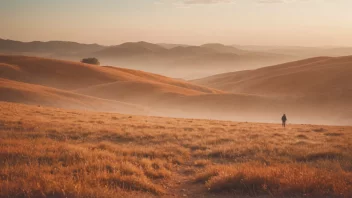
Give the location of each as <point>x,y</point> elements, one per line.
<point>316,90</point>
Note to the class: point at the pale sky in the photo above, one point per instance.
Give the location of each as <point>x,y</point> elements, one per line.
<point>245,22</point>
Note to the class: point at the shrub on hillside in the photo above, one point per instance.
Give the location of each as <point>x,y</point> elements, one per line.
<point>92,61</point>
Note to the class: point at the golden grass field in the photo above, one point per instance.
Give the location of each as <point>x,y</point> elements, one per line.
<point>49,152</point>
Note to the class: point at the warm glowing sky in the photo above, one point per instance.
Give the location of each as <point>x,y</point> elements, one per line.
<point>254,22</point>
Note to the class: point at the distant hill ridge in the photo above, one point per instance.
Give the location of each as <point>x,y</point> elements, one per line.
<point>49,46</point>
<point>124,49</point>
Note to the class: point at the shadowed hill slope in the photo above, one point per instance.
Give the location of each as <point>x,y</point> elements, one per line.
<point>224,49</point>
<point>131,49</point>
<point>137,91</point>
<point>244,53</point>
<point>13,91</point>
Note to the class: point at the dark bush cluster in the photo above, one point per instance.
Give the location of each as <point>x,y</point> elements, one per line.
<point>92,61</point>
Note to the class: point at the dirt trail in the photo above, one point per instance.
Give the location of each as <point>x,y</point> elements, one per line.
<point>182,184</point>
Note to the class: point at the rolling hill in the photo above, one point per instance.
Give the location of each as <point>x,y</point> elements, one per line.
<point>178,61</point>
<point>328,76</point>
<point>14,91</point>
<point>130,49</point>
<point>299,51</point>
<point>50,48</point>
<point>70,75</point>
<point>126,50</point>
<point>23,77</point>
<point>255,95</point>
<point>245,53</point>
<point>318,89</point>
<point>186,61</point>
<point>53,73</point>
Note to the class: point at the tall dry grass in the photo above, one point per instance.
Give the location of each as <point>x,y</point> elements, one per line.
<point>47,152</point>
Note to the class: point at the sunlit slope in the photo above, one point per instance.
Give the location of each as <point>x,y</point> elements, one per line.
<point>315,77</point>
<point>73,75</point>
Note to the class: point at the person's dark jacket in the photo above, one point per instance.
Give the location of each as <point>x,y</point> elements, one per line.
<point>284,118</point>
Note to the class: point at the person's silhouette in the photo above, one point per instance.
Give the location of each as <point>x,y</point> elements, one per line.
<point>284,119</point>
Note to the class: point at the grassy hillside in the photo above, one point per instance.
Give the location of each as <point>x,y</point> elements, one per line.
<point>70,75</point>
<point>47,152</point>
<point>315,76</point>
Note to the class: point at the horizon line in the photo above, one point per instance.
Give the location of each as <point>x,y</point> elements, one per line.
<point>159,43</point>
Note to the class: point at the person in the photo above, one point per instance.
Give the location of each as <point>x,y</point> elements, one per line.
<point>284,119</point>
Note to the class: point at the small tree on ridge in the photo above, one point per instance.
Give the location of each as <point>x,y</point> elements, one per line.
<point>92,61</point>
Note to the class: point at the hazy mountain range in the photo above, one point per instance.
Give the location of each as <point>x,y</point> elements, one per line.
<point>174,60</point>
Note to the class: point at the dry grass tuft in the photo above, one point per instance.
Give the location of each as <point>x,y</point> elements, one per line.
<point>333,134</point>
<point>210,172</point>
<point>278,180</point>
<point>301,136</point>
<point>319,130</point>
<point>201,163</point>
<point>322,155</point>
<point>131,183</point>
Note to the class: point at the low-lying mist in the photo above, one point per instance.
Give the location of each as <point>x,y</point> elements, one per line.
<point>189,70</point>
